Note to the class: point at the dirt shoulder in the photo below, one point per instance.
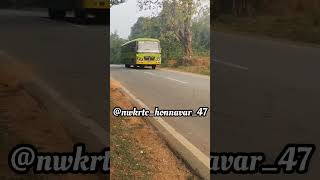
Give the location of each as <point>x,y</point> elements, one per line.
<point>137,151</point>
<point>196,65</point>
<point>24,119</point>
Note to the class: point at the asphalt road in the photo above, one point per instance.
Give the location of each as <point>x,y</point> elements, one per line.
<point>171,90</point>
<point>71,58</point>
<point>265,95</point>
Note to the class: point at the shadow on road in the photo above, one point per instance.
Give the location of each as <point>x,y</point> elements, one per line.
<point>144,68</point>
<point>74,20</point>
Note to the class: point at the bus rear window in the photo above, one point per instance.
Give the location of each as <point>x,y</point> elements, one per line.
<point>149,46</point>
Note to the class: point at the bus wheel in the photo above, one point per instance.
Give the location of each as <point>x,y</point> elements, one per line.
<point>142,66</point>
<point>154,67</point>
<point>135,66</point>
<point>127,65</point>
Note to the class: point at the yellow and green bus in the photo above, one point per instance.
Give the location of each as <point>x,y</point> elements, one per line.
<point>141,52</point>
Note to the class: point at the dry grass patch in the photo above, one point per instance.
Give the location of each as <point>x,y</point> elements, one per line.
<point>137,151</point>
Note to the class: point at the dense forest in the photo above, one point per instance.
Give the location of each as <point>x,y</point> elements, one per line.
<point>184,35</point>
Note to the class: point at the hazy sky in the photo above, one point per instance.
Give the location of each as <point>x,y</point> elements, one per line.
<point>123,17</point>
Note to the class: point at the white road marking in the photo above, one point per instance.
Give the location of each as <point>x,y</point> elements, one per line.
<point>183,82</point>
<point>193,149</point>
<point>185,73</point>
<point>166,77</point>
<point>116,65</point>
<point>232,65</point>
<point>149,73</point>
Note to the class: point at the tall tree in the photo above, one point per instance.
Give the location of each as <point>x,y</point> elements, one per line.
<point>146,27</point>
<point>115,46</point>
<point>201,33</point>
<point>177,16</point>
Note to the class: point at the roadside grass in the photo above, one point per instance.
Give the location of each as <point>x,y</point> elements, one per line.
<point>197,65</point>
<point>301,28</point>
<point>24,119</point>
<point>195,69</point>
<point>137,150</point>
<point>126,157</point>
<point>191,69</point>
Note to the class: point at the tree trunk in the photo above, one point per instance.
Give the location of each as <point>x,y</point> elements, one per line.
<point>187,32</point>
<point>188,45</point>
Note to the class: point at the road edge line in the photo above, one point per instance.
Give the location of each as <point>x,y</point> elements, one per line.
<point>236,66</point>
<point>89,124</point>
<point>183,72</point>
<point>194,158</point>
<point>74,121</point>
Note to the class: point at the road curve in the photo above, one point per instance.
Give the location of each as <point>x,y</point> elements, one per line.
<point>171,90</point>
